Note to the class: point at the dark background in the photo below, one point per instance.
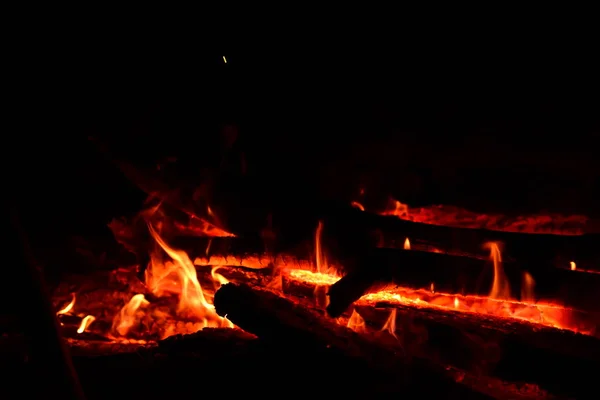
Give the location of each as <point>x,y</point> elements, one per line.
<point>486,124</point>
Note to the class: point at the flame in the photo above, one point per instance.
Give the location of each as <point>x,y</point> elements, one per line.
<point>67,309</point>
<point>126,318</point>
<point>177,276</point>
<point>164,278</point>
<point>390,323</point>
<point>356,204</point>
<point>85,323</point>
<point>320,260</point>
<point>218,277</point>
<point>398,209</point>
<point>573,266</point>
<point>406,244</point>
<point>356,322</point>
<point>322,267</point>
<point>432,287</point>
<point>500,285</point>
<point>456,303</point>
<point>527,288</point>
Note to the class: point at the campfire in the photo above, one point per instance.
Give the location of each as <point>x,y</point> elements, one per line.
<point>479,305</point>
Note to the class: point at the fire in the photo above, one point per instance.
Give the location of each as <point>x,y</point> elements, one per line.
<point>407,244</point>
<point>390,323</point>
<point>85,323</point>
<point>171,273</point>
<point>546,314</point>
<point>67,309</point>
<point>573,266</point>
<point>356,322</point>
<point>500,286</point>
<point>454,216</point>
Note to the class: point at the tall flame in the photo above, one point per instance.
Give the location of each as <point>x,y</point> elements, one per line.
<point>500,285</point>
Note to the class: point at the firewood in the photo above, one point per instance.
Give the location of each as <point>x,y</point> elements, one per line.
<point>556,360</point>
<point>461,275</point>
<point>539,250</point>
<point>296,330</point>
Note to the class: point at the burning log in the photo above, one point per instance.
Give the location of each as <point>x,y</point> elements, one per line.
<point>303,333</point>
<point>556,360</point>
<point>455,274</point>
<point>535,250</point>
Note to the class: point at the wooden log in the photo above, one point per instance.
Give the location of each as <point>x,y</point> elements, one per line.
<point>298,331</point>
<point>557,360</point>
<point>536,250</point>
<point>461,275</point>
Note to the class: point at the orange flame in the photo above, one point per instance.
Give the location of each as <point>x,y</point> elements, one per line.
<point>500,286</point>
<point>356,322</point>
<point>406,244</point>
<point>527,288</point>
<point>127,318</point>
<point>390,323</point>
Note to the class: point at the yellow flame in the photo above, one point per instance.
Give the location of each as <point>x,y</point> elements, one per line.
<point>573,266</point>
<point>85,323</point>
<point>218,277</point>
<point>67,309</point>
<point>406,244</point>
<point>126,318</point>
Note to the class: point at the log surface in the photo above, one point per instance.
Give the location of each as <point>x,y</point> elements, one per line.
<point>371,366</point>
<point>541,250</point>
<point>558,361</point>
<point>459,275</point>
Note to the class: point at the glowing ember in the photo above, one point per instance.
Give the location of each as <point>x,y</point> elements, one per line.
<point>454,216</point>
<point>538,313</point>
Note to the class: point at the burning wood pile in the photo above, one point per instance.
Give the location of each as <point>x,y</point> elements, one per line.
<point>391,301</point>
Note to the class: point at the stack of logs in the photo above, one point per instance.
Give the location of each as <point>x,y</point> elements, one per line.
<point>432,352</point>
<point>515,351</point>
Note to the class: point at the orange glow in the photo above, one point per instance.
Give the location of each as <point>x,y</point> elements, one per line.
<point>406,244</point>
<point>546,314</point>
<point>573,266</point>
<point>454,216</point>
<point>356,204</point>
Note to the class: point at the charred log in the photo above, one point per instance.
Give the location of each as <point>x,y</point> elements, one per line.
<point>455,274</point>
<point>516,351</point>
<point>296,330</point>
<point>536,250</point>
